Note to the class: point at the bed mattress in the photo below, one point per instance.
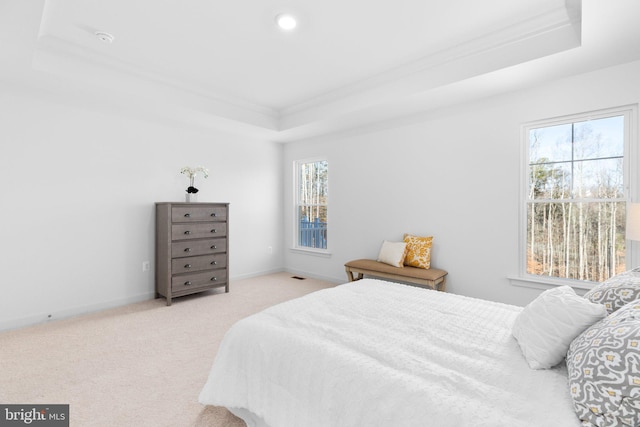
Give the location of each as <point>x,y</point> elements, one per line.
<point>376,353</point>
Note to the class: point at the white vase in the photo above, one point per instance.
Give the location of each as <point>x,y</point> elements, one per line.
<point>191,197</point>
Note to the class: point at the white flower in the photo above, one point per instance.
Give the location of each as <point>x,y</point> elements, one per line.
<point>192,172</point>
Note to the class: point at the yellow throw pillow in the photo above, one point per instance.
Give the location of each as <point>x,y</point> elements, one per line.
<point>418,251</point>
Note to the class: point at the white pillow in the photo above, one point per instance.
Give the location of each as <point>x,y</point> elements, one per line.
<point>545,328</point>
<point>392,253</point>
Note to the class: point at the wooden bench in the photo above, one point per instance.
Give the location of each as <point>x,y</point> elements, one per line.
<point>432,278</point>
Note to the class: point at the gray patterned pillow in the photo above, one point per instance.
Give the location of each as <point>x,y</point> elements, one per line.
<point>604,370</point>
<point>617,291</point>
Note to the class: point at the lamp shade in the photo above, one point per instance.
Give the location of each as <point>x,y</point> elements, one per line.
<point>633,221</point>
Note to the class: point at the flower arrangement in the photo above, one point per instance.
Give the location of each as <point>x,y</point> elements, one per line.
<point>191,173</point>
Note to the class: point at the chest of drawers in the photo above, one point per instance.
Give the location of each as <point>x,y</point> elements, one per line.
<point>192,248</point>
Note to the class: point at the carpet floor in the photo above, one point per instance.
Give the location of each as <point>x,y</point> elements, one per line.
<point>138,365</point>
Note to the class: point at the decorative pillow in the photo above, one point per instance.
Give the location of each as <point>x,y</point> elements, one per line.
<point>418,251</point>
<point>617,291</point>
<point>545,328</point>
<point>604,370</point>
<point>392,253</point>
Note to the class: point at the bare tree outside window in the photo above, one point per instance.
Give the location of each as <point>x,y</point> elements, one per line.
<point>576,201</point>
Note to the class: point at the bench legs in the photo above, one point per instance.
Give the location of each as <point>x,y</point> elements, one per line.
<point>350,275</point>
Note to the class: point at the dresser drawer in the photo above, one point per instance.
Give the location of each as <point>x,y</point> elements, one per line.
<point>185,282</point>
<point>198,213</point>
<point>198,247</point>
<point>198,263</point>
<point>198,230</point>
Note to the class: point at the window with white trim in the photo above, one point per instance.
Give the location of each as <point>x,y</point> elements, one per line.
<point>312,191</point>
<point>576,188</point>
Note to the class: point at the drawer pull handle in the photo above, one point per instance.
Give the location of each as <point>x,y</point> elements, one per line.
<point>187,232</point>
<point>214,231</point>
<point>187,283</point>
<point>187,215</point>
<point>214,279</point>
<point>214,247</point>
<point>187,249</point>
<point>213,214</point>
<point>214,262</point>
<point>187,266</point>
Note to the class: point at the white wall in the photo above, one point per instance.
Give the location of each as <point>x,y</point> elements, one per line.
<point>453,174</point>
<point>78,190</point>
<point>79,183</point>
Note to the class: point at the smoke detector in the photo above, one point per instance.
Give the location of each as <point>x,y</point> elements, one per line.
<point>105,37</point>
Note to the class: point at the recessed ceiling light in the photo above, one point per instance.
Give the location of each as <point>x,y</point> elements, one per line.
<point>105,37</point>
<point>286,21</point>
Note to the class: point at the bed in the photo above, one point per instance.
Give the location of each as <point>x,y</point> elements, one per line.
<point>376,353</point>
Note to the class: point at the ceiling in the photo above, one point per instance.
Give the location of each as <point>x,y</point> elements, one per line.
<point>348,63</point>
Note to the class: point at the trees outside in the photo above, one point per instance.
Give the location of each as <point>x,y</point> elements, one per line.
<point>313,191</point>
<point>576,204</point>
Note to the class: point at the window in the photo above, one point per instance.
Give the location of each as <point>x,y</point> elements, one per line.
<point>311,204</point>
<point>577,187</point>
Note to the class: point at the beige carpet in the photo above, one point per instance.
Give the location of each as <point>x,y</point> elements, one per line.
<point>139,365</point>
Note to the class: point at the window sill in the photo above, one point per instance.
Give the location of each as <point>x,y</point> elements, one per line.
<point>544,283</point>
<point>315,252</point>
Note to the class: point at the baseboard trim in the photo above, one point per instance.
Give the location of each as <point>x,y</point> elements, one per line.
<point>293,271</point>
<point>41,318</point>
<point>335,280</point>
<point>255,274</point>
<point>37,319</point>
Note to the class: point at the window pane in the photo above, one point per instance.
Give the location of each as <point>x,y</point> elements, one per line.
<point>583,241</point>
<point>313,183</point>
<point>599,138</point>
<point>577,160</point>
<point>550,181</point>
<point>599,178</point>
<point>550,144</point>
<point>312,226</point>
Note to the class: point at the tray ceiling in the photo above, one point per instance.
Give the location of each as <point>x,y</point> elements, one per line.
<point>227,64</point>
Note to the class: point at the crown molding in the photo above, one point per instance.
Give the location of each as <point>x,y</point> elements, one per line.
<point>552,31</point>
<point>72,61</point>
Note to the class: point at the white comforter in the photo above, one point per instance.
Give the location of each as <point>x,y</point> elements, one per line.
<point>373,353</point>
